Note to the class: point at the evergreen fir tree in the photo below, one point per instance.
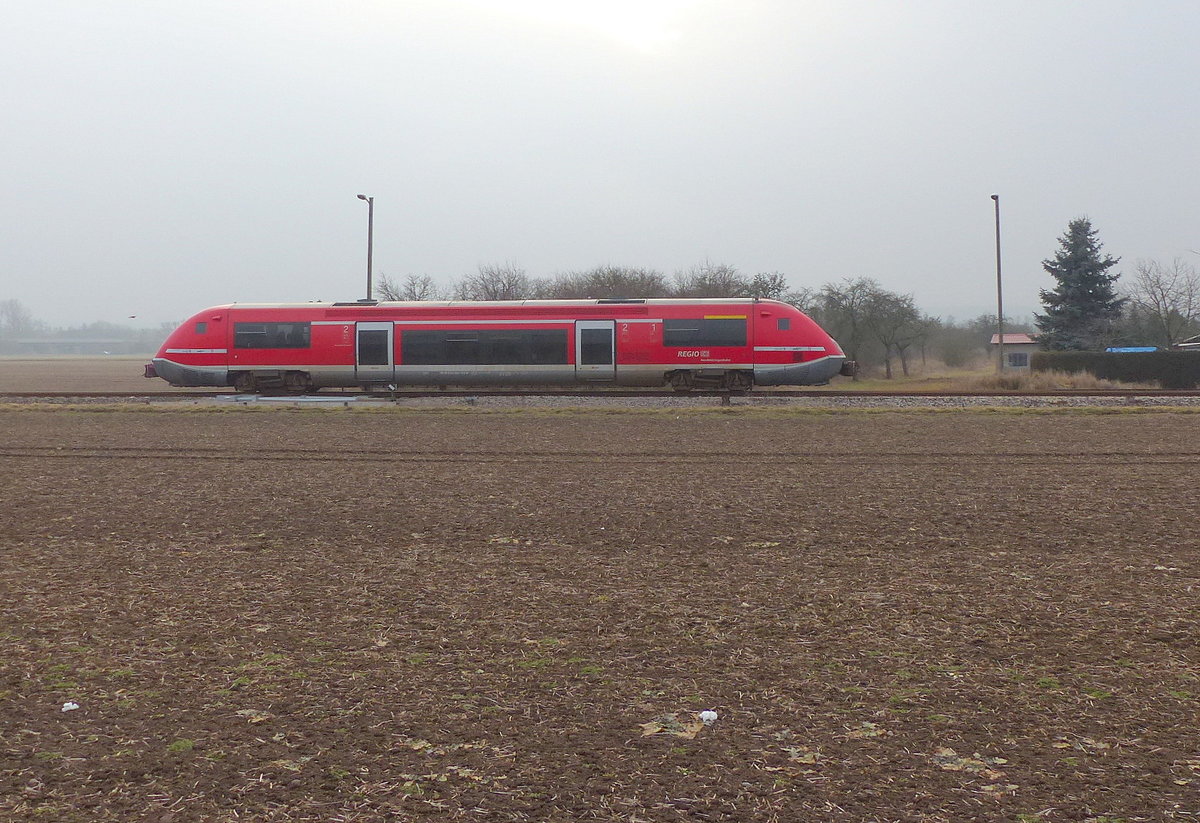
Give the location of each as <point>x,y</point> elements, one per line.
<point>1083,308</point>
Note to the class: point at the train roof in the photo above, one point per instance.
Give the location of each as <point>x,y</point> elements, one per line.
<point>604,301</point>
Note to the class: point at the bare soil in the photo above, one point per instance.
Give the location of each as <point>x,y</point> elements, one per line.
<point>345,615</point>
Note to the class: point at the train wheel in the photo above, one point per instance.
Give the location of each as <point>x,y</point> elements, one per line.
<point>244,382</point>
<point>680,380</point>
<point>298,382</point>
<point>740,380</point>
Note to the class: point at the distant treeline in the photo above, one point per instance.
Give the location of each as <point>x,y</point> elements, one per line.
<point>22,333</point>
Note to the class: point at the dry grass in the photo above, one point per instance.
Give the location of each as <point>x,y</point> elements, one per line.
<point>985,379</point>
<point>1044,381</point>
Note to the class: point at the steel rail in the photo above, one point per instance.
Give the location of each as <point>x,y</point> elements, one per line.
<point>401,394</point>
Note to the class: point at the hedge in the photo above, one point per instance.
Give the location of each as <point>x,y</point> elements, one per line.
<point>1172,369</point>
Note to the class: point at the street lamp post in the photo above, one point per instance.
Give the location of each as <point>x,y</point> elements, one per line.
<point>999,291</point>
<point>370,201</point>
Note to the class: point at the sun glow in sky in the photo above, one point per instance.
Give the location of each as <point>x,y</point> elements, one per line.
<point>649,26</point>
<point>160,157</point>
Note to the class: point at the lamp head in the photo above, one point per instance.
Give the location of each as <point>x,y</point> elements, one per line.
<point>995,197</point>
<point>364,197</point>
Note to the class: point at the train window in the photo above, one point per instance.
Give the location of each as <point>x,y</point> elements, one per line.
<point>718,331</point>
<point>461,349</point>
<point>271,335</point>
<point>595,347</point>
<point>373,348</point>
<point>421,348</point>
<point>547,347</point>
<point>503,347</point>
<point>493,347</point>
<point>201,327</point>
<point>784,323</point>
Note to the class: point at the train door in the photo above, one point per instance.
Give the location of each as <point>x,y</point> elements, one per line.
<point>595,352</point>
<point>373,353</point>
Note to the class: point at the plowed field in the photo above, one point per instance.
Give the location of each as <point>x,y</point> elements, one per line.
<point>344,615</point>
<point>54,374</point>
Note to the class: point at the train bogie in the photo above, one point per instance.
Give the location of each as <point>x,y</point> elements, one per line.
<point>720,344</point>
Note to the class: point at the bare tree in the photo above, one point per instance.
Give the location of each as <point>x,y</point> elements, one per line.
<point>769,286</point>
<point>504,282</point>
<point>1169,296</point>
<point>872,324</point>
<point>805,299</point>
<point>895,322</point>
<point>709,279</point>
<point>844,310</point>
<point>607,281</point>
<point>415,287</point>
<point>15,318</point>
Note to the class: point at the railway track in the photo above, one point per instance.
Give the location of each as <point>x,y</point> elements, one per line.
<point>334,454</point>
<point>602,393</point>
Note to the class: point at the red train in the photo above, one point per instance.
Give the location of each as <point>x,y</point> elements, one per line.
<point>722,344</point>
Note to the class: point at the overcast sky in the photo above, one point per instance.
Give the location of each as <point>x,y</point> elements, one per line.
<point>158,158</point>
